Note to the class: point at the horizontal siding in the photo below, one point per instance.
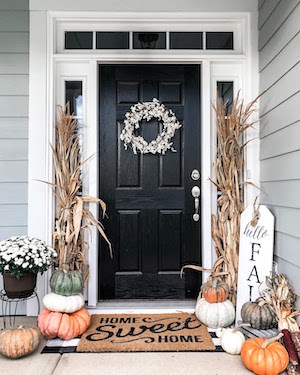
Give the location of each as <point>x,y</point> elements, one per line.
<point>275,168</point>
<point>16,85</point>
<point>14,71</point>
<point>279,41</point>
<point>266,10</point>
<point>274,22</point>
<point>13,171</point>
<point>13,149</point>
<point>13,127</point>
<point>287,31</point>
<point>281,142</point>
<point>285,87</point>
<point>14,63</point>
<point>13,215</point>
<point>14,21</point>
<point>285,114</point>
<point>14,106</point>
<point>13,193</point>
<point>282,193</point>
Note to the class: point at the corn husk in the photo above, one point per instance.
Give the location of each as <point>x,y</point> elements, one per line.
<point>73,214</point>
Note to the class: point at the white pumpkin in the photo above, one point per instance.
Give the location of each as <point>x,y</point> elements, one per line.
<point>56,302</point>
<point>215,315</point>
<point>231,339</point>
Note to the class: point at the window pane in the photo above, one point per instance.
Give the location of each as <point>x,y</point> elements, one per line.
<point>225,94</point>
<point>149,40</point>
<point>112,40</point>
<point>219,40</point>
<point>186,41</point>
<point>78,40</point>
<point>74,97</point>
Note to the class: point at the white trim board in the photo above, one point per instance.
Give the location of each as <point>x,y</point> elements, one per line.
<point>45,68</point>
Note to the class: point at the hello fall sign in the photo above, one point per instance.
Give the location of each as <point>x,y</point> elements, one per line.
<point>255,255</point>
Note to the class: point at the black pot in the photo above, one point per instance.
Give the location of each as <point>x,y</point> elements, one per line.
<point>19,288</point>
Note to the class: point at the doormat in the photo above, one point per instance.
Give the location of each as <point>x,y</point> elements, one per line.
<point>145,333</point>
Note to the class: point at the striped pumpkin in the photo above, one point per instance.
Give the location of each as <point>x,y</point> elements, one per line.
<point>215,290</point>
<point>66,283</point>
<point>19,342</point>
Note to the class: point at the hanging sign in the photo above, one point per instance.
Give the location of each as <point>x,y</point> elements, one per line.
<point>255,255</point>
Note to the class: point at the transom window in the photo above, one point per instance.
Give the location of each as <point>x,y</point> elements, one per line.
<point>200,40</point>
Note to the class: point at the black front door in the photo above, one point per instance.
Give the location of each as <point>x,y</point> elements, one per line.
<point>150,206</point>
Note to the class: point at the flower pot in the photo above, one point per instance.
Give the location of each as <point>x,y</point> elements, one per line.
<point>19,288</point>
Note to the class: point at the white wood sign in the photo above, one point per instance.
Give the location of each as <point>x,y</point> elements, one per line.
<point>255,255</point>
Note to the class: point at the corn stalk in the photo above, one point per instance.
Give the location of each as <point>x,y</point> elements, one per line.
<point>73,215</point>
<point>229,180</point>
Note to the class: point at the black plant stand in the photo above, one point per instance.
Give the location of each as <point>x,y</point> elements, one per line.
<point>7,304</point>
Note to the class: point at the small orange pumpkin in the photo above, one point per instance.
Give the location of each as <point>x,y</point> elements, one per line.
<point>215,290</point>
<point>66,326</point>
<point>19,342</point>
<point>265,356</point>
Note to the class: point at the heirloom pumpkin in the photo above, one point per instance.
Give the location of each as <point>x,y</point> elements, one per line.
<point>19,342</point>
<point>215,290</point>
<point>56,302</point>
<point>231,339</point>
<point>258,314</point>
<point>65,326</point>
<point>265,356</point>
<point>215,315</point>
<point>66,283</point>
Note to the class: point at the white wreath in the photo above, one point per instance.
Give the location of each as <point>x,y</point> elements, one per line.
<point>146,111</point>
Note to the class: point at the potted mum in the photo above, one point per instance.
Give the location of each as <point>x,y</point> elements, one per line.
<point>21,259</point>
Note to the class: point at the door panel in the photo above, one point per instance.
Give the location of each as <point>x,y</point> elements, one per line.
<point>149,200</point>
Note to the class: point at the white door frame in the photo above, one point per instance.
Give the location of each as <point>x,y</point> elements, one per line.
<point>46,58</point>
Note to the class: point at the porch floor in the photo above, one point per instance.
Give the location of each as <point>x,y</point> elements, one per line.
<point>121,363</point>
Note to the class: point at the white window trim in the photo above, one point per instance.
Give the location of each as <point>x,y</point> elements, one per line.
<point>43,87</point>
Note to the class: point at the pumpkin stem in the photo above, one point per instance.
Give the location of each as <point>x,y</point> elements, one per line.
<point>272,339</point>
<point>235,329</point>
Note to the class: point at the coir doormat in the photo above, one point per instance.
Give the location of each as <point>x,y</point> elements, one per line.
<point>145,333</point>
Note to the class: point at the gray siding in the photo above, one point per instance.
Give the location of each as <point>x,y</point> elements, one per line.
<point>279,55</point>
<point>14,71</point>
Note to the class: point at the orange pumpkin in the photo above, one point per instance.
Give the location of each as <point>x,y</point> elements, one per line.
<point>215,290</point>
<point>265,356</point>
<point>19,342</point>
<point>66,326</point>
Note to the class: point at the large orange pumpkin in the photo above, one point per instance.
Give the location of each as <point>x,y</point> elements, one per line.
<point>66,326</point>
<point>215,290</point>
<point>265,356</point>
<point>19,342</point>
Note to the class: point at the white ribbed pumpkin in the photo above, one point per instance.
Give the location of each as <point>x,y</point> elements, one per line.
<point>231,339</point>
<point>56,302</point>
<point>215,315</point>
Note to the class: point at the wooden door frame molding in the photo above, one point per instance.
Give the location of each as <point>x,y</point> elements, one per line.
<point>47,68</point>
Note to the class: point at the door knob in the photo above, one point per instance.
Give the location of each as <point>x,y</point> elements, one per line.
<point>196,195</point>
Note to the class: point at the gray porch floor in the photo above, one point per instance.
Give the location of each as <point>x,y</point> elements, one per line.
<point>121,363</point>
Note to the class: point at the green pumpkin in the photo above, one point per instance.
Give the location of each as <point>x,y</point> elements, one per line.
<point>258,314</point>
<point>66,283</point>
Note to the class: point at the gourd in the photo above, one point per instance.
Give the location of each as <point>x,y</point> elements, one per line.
<point>66,283</point>
<point>56,302</point>
<point>19,342</point>
<point>215,315</point>
<point>265,356</point>
<point>65,326</point>
<point>258,314</point>
<point>231,339</point>
<point>215,290</point>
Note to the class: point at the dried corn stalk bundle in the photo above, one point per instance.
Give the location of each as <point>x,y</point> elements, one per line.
<point>229,179</point>
<point>72,214</point>
<point>281,298</point>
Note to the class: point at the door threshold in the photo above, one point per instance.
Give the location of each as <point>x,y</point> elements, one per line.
<point>143,307</point>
